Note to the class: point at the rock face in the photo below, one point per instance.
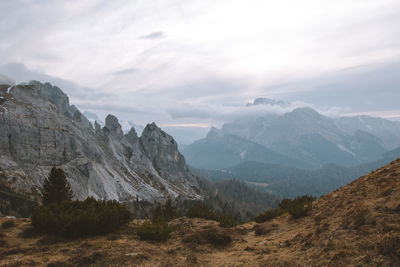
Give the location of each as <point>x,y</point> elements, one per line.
<point>39,129</point>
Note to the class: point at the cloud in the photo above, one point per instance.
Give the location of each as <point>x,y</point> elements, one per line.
<point>366,88</point>
<point>153,35</point>
<point>6,80</point>
<point>113,108</point>
<point>219,114</point>
<point>127,71</point>
<point>334,54</point>
<point>20,73</point>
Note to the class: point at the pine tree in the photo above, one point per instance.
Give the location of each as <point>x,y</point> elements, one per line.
<point>56,187</point>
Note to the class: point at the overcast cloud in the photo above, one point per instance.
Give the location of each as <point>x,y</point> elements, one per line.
<point>198,62</point>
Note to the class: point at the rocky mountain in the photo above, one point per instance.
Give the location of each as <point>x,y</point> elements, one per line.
<point>39,129</point>
<point>126,125</point>
<point>317,139</point>
<point>221,150</point>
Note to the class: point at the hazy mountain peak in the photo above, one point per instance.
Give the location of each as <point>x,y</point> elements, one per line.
<point>267,101</point>
<point>214,133</point>
<point>113,126</point>
<point>132,135</point>
<point>305,112</point>
<point>151,127</point>
<point>112,122</point>
<point>152,131</point>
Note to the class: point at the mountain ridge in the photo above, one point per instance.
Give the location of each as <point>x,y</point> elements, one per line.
<point>308,136</point>
<point>220,150</point>
<point>40,129</point>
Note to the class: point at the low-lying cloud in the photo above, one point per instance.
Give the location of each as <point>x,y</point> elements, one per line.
<point>153,35</point>
<point>127,71</point>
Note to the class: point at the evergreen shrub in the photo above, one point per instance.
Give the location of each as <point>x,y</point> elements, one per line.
<point>80,218</point>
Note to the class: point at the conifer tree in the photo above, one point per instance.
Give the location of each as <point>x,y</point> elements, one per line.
<point>56,187</point>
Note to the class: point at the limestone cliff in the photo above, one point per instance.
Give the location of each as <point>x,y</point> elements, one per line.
<point>39,129</point>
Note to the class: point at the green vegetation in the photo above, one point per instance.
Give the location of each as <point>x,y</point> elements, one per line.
<point>158,229</point>
<point>61,216</point>
<point>268,215</point>
<point>56,187</point>
<point>204,211</point>
<point>154,231</point>
<point>164,213</point>
<point>227,221</point>
<point>235,198</point>
<point>14,203</point>
<point>80,218</point>
<point>8,224</point>
<point>298,207</point>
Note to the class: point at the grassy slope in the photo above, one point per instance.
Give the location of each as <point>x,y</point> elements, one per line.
<point>356,225</point>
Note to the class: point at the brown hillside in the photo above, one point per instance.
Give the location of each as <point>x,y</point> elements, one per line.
<point>356,225</point>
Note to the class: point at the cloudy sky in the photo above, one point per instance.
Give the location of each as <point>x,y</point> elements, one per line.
<point>198,62</point>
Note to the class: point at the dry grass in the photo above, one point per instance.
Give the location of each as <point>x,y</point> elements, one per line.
<point>357,225</point>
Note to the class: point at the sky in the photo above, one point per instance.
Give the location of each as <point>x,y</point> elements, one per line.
<point>196,63</point>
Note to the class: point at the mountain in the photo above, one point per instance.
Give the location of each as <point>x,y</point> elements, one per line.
<point>356,225</point>
<point>291,182</point>
<point>92,117</point>
<point>386,130</point>
<point>268,102</point>
<point>316,139</point>
<point>126,125</point>
<point>221,150</point>
<point>186,135</point>
<point>39,129</point>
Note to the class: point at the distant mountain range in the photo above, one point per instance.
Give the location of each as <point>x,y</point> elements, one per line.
<point>300,138</point>
<point>220,150</point>
<point>298,152</point>
<point>291,182</point>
